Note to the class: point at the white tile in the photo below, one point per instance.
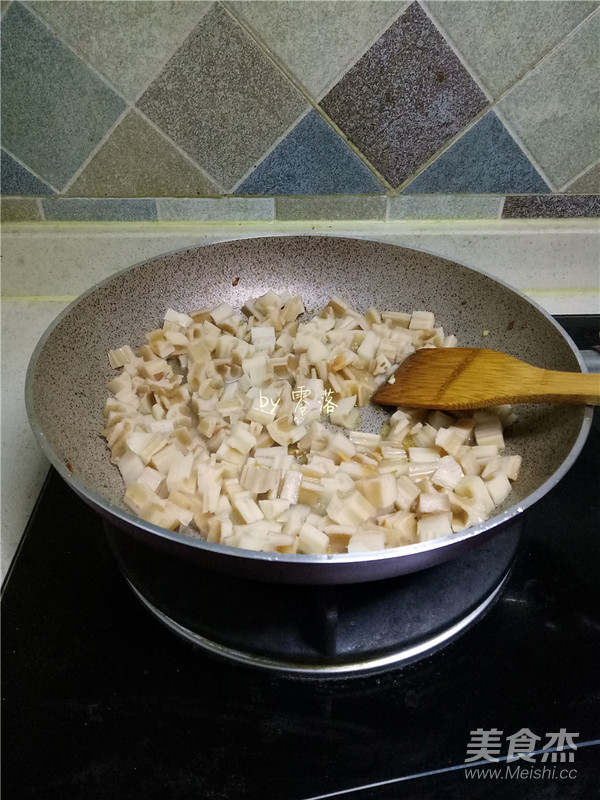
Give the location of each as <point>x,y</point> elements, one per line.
<point>221,210</point>
<point>318,41</point>
<point>61,264</point>
<point>128,43</point>
<point>554,110</point>
<point>541,261</point>
<point>24,466</point>
<point>501,41</point>
<point>444,206</point>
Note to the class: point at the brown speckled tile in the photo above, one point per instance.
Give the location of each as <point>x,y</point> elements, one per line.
<point>24,209</point>
<point>554,206</point>
<point>588,183</point>
<point>405,97</point>
<point>222,99</point>
<point>137,161</point>
<point>357,207</point>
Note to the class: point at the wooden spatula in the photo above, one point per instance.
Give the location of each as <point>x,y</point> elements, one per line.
<point>463,377</point>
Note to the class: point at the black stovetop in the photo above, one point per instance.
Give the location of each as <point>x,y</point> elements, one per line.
<point>100,701</point>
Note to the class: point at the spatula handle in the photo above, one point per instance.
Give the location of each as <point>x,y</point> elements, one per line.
<point>568,387</point>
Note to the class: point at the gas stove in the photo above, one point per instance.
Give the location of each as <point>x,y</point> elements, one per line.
<point>102,700</point>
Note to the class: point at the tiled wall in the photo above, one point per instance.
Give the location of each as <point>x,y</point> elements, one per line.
<point>300,110</point>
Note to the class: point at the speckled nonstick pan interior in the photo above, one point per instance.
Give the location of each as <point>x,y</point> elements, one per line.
<point>68,373</point>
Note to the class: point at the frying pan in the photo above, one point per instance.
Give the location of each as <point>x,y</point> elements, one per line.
<point>69,370</point>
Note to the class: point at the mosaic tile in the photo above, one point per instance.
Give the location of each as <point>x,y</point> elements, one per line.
<point>128,42</point>
<point>22,210</point>
<point>588,183</point>
<point>355,207</point>
<point>222,99</point>
<point>91,210</point>
<point>222,210</point>
<point>54,109</point>
<point>556,206</point>
<point>553,109</point>
<point>444,206</point>
<point>501,41</point>
<point>405,97</point>
<point>312,159</point>
<point>18,180</point>
<point>137,161</point>
<point>319,41</point>
<point>485,159</point>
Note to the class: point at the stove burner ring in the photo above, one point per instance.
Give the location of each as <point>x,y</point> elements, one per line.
<point>329,630</point>
<point>402,656</point>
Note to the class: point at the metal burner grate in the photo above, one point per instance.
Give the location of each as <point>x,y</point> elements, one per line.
<point>318,630</point>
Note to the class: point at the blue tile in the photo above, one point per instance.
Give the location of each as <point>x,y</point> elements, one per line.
<point>312,159</point>
<point>18,180</point>
<point>93,210</point>
<point>485,159</point>
<point>54,108</point>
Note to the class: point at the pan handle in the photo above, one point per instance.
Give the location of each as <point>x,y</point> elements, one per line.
<point>591,359</point>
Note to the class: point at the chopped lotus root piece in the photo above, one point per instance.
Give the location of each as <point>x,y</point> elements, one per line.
<point>245,430</point>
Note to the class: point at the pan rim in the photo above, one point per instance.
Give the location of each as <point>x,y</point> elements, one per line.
<point>316,561</point>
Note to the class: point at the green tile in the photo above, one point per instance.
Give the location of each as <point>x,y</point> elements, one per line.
<point>137,161</point>
<point>128,42</point>
<point>21,210</point>
<point>222,99</point>
<point>354,207</point>
<point>502,39</point>
<point>554,109</point>
<point>444,206</point>
<point>89,209</point>
<point>588,183</point>
<point>54,109</point>
<point>225,209</point>
<point>318,41</point>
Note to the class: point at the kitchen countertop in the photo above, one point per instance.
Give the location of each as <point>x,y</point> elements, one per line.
<point>47,265</point>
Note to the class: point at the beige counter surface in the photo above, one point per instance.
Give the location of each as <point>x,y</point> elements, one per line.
<point>45,266</point>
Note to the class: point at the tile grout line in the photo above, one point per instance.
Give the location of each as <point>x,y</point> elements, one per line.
<point>287,74</point>
<point>384,182</point>
<point>314,104</point>
<point>302,90</point>
<point>451,44</point>
<point>178,148</point>
<point>269,150</point>
<point>501,208</point>
<point>140,113</point>
<point>40,206</point>
<point>580,175</point>
<point>24,165</point>
<point>81,57</point>
<point>501,116</point>
<point>172,53</point>
<point>494,104</point>
<point>394,18</point>
<point>95,150</point>
<point>547,55</point>
<point>528,71</point>
<point>102,78</point>
<point>129,104</point>
<point>40,298</point>
<point>438,153</point>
